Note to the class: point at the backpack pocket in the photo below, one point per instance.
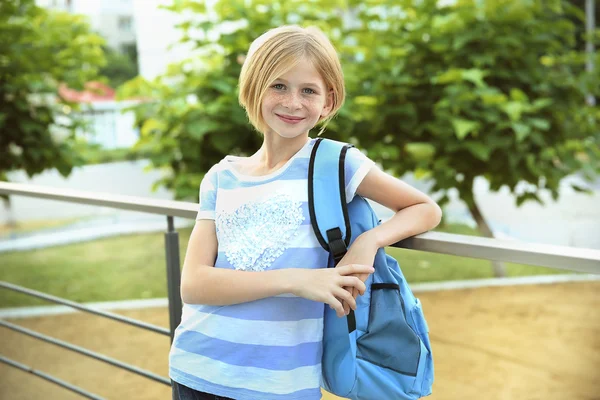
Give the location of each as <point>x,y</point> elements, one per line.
<point>389,342</point>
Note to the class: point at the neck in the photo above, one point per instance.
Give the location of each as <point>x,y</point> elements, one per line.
<point>276,151</point>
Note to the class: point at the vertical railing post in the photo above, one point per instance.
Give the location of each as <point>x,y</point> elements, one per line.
<point>173,275</point>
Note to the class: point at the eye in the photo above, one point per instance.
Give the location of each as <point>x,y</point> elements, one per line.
<point>278,86</point>
<point>309,91</point>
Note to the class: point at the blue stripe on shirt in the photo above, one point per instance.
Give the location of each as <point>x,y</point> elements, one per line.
<point>268,309</point>
<point>280,358</point>
<point>296,171</point>
<point>240,394</point>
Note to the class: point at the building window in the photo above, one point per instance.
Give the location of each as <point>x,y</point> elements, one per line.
<point>125,24</point>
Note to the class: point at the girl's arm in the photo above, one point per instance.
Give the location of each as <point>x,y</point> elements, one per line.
<point>415,211</point>
<point>201,283</point>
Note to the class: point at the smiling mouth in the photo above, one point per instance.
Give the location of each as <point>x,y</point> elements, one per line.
<point>289,120</point>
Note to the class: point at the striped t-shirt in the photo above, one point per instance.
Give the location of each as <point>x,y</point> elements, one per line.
<point>268,349</point>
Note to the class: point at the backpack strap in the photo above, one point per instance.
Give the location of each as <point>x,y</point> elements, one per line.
<point>327,206</point>
<point>327,201</point>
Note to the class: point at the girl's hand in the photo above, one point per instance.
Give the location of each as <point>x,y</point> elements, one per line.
<point>328,285</point>
<point>362,251</point>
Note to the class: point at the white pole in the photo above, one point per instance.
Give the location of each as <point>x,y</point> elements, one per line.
<point>590,26</point>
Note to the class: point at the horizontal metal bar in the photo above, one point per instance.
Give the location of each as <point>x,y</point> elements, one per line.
<point>86,352</point>
<point>49,378</point>
<point>562,257</point>
<point>568,258</point>
<point>142,204</point>
<point>105,314</point>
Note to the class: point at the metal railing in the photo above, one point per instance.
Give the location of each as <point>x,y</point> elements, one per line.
<point>568,258</point>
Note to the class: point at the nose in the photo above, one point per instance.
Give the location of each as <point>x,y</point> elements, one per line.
<point>292,101</point>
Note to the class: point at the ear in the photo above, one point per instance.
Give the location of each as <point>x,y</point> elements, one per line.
<point>328,106</point>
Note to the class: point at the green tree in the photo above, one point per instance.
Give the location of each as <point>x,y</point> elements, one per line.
<point>39,51</point>
<point>120,67</point>
<point>579,21</point>
<point>493,89</point>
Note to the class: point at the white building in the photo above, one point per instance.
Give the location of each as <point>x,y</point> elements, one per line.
<point>108,124</point>
<point>110,127</point>
<point>157,37</point>
<point>113,19</point>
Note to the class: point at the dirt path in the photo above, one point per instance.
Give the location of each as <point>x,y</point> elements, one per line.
<point>502,343</point>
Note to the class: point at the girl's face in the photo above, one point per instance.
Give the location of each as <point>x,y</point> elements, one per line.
<point>294,102</point>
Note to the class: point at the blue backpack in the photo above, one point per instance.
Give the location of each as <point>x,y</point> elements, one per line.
<point>380,351</point>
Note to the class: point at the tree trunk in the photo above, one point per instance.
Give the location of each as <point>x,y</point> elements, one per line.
<point>484,228</point>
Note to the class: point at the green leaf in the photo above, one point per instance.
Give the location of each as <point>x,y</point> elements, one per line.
<point>420,151</point>
<point>521,130</point>
<point>462,127</point>
<point>223,142</point>
<point>527,197</point>
<point>513,109</point>
<point>365,100</point>
<point>151,126</point>
<point>539,123</point>
<point>198,129</point>
<point>493,98</point>
<point>541,103</point>
<point>475,76</point>
<point>547,61</point>
<point>450,76</point>
<point>421,173</point>
<point>581,189</point>
<point>479,150</point>
<point>518,95</point>
<point>222,86</point>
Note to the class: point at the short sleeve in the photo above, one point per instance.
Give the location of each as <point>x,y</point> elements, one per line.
<point>356,167</point>
<point>208,195</point>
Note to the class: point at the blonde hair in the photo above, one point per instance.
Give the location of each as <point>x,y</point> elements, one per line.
<point>277,51</point>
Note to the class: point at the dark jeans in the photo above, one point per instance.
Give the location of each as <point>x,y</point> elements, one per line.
<point>181,392</point>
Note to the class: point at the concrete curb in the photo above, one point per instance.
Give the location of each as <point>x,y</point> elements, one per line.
<point>43,311</point>
<point>86,234</point>
<point>525,280</point>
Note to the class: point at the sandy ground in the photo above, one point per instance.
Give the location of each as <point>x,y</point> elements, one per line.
<point>521,342</point>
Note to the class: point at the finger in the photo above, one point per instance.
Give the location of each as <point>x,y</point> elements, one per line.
<point>353,282</point>
<point>344,303</point>
<point>362,291</point>
<point>350,269</point>
<point>346,307</point>
<point>347,297</point>
<point>336,305</point>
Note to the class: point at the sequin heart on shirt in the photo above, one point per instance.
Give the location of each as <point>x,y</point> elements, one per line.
<point>254,235</point>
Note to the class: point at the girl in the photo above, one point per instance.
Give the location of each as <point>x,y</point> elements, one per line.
<point>253,281</point>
